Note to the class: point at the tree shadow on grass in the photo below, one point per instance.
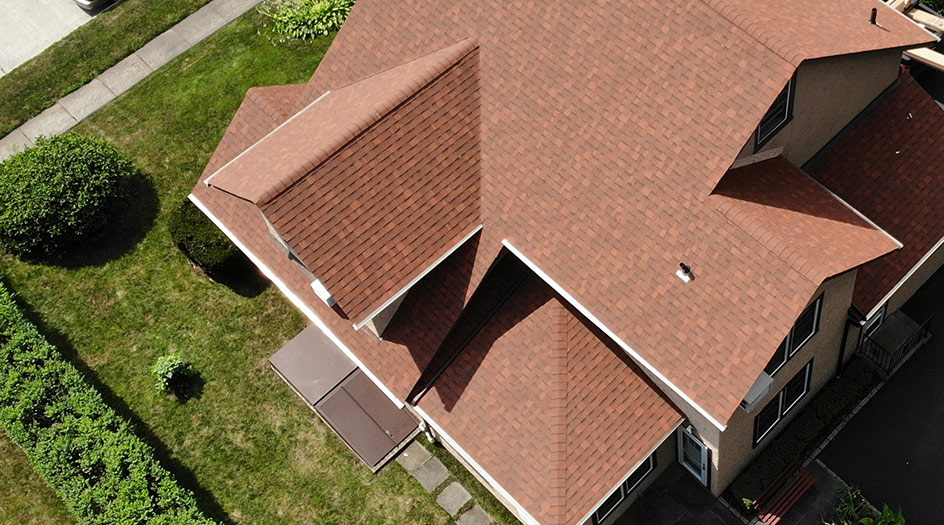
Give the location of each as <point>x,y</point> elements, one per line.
<point>125,222</point>
<point>187,386</point>
<point>184,476</point>
<point>239,275</point>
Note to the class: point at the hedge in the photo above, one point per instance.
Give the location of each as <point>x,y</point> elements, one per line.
<point>80,446</point>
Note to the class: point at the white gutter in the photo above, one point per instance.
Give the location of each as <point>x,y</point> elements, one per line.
<point>599,324</point>
<point>907,276</point>
<point>207,180</point>
<point>523,514</point>
<point>295,300</point>
<point>405,289</point>
<point>629,473</point>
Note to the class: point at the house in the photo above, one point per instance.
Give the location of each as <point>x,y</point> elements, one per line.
<point>580,244</point>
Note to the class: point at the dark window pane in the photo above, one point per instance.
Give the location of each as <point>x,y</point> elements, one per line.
<point>639,474</point>
<point>776,115</point>
<point>767,418</point>
<point>795,389</point>
<point>804,328</point>
<point>608,505</point>
<point>778,359</point>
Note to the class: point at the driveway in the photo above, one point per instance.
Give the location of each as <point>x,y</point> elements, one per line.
<point>29,26</point>
<point>893,449</point>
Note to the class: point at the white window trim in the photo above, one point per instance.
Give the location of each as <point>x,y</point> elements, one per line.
<point>625,492</point>
<point>789,109</point>
<point>807,372</point>
<point>776,422</point>
<point>788,341</point>
<point>782,411</point>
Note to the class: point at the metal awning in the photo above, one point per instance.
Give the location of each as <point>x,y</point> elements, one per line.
<point>345,398</point>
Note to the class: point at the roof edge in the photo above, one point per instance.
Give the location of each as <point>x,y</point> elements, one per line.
<point>295,300</point>
<point>360,324</point>
<point>637,357</point>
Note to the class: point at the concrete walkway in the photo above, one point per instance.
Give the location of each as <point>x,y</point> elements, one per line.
<point>432,475</point>
<point>76,106</point>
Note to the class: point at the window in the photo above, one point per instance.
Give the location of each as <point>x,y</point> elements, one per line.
<point>803,330</point>
<point>624,490</point>
<point>780,405</point>
<point>780,112</point>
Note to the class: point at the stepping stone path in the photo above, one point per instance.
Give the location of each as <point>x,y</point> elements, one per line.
<point>431,474</point>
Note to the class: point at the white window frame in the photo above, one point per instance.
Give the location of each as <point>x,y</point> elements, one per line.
<point>817,305</point>
<point>782,411</point>
<point>625,491</point>
<point>759,141</point>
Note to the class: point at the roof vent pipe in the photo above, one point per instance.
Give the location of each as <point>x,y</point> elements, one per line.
<point>874,16</point>
<point>685,272</point>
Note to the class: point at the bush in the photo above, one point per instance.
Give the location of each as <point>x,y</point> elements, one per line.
<point>169,371</point>
<point>200,240</point>
<point>54,194</point>
<point>852,509</point>
<point>79,445</point>
<point>306,19</point>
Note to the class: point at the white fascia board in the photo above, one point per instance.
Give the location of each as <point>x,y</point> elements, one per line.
<point>599,324</point>
<point>522,513</point>
<point>904,279</point>
<point>857,212</point>
<point>630,471</point>
<point>207,180</point>
<point>295,300</point>
<point>405,289</point>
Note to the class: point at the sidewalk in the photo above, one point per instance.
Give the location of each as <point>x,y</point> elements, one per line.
<point>76,106</point>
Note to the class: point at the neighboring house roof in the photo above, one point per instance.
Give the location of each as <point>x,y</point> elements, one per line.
<point>372,183</point>
<point>553,413</point>
<point>888,166</point>
<point>798,220</point>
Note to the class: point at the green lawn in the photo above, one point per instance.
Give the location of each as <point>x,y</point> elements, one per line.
<point>248,447</point>
<point>82,55</point>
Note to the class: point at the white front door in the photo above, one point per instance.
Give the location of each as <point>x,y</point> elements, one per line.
<point>693,454</point>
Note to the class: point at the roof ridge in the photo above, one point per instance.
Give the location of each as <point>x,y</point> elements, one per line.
<point>744,27</point>
<point>439,63</point>
<point>559,383</point>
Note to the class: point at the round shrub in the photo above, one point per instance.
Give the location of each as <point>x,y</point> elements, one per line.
<point>200,240</point>
<point>55,194</point>
<point>169,371</point>
<point>306,19</point>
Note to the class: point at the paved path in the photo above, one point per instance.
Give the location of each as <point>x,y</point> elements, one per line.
<point>432,475</point>
<point>676,498</point>
<point>29,27</point>
<point>892,448</point>
<point>76,106</point>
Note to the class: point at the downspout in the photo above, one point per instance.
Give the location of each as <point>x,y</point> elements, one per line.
<point>854,317</point>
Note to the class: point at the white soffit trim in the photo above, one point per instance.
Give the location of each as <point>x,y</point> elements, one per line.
<point>599,324</point>
<point>295,300</point>
<point>628,473</point>
<point>522,513</point>
<point>857,212</point>
<point>207,180</point>
<point>907,276</point>
<point>405,289</point>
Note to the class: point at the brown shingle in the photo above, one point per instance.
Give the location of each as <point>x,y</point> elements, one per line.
<point>888,167</point>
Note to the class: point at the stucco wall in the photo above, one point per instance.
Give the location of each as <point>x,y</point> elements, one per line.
<point>829,93</point>
<point>737,449</point>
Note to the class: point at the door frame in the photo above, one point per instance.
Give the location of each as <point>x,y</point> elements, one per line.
<point>688,432</point>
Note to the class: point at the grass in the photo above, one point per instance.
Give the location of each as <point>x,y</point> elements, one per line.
<point>480,495</point>
<point>811,426</point>
<point>35,503</point>
<point>246,445</point>
<point>82,55</point>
